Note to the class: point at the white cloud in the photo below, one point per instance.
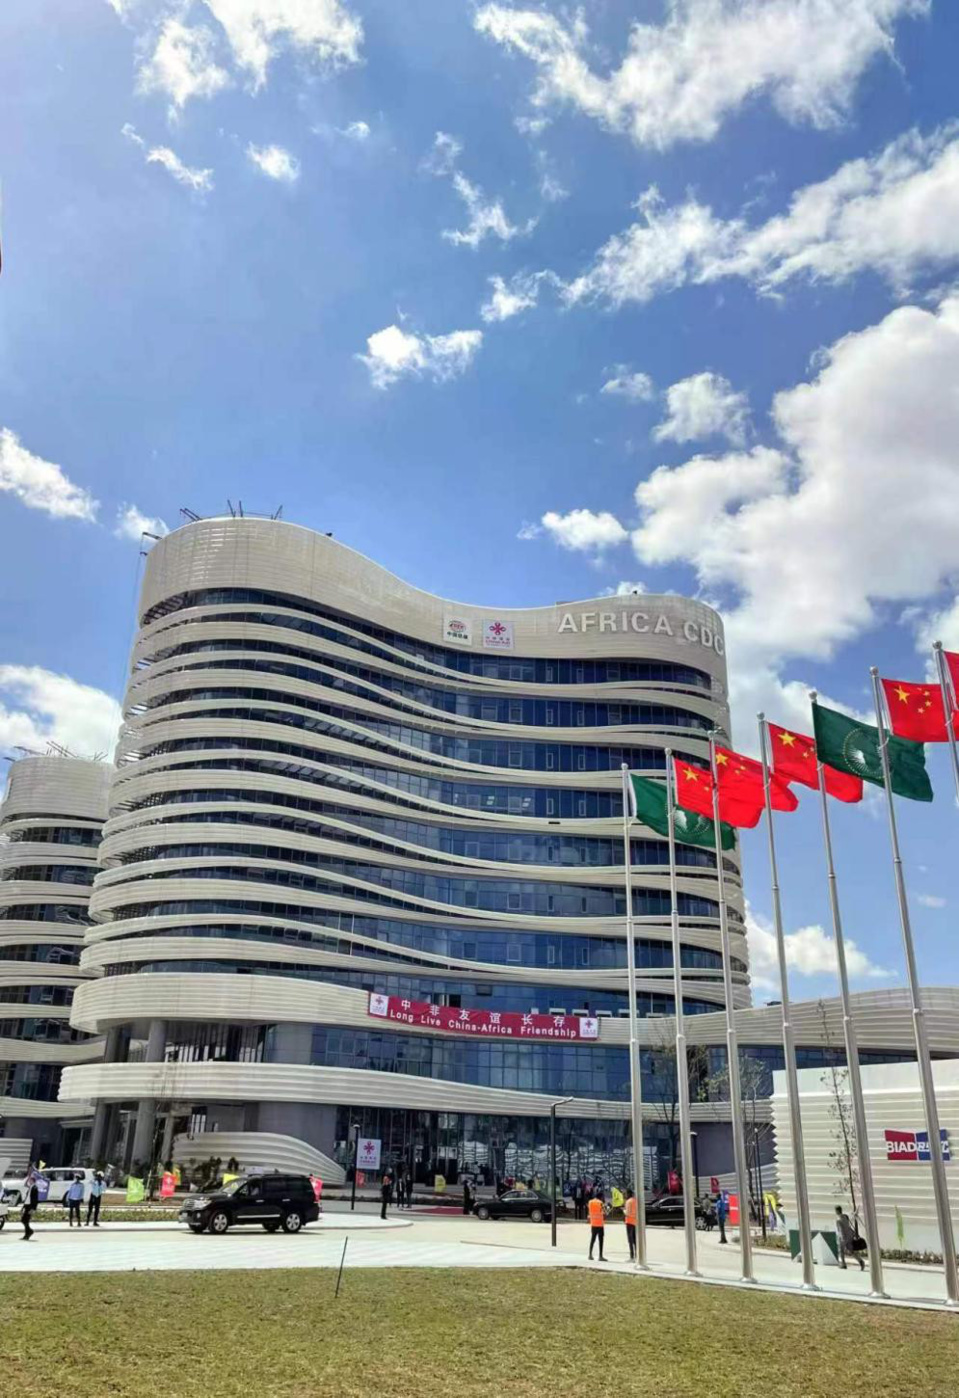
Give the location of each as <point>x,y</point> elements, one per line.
<point>199,180</point>
<point>810,951</point>
<point>39,484</point>
<point>182,65</point>
<point>809,538</point>
<point>486,217</point>
<point>275,162</point>
<point>624,589</point>
<point>927,900</point>
<point>444,153</point>
<point>38,706</point>
<point>679,80</point>
<point>895,214</point>
<point>132,523</point>
<point>323,30</point>
<point>583,531</point>
<point>637,387</point>
<point>394,353</point>
<point>356,131</point>
<point>507,299</point>
<point>703,405</point>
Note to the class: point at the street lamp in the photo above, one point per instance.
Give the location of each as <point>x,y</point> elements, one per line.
<point>695,1141</point>
<point>552,1163</point>
<point>355,1128</point>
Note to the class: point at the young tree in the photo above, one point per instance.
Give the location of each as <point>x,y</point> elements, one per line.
<point>843,1159</point>
<point>661,1076</point>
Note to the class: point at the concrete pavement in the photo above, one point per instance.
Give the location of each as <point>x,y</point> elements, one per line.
<point>409,1239</point>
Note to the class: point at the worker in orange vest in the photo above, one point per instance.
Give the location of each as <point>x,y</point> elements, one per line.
<point>629,1216</point>
<point>597,1226</point>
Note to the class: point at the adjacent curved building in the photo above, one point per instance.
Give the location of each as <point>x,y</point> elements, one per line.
<point>331,785</point>
<point>50,823</point>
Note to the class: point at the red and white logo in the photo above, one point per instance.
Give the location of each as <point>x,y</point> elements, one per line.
<point>458,630</point>
<point>497,635</point>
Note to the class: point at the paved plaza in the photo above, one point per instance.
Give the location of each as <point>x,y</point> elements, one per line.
<point>423,1240</point>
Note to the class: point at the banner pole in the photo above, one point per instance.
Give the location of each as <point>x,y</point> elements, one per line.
<point>635,1063</point>
<point>940,1187</point>
<point>682,1062</point>
<point>732,1041</point>
<point>948,707</point>
<point>871,1219</point>
<point>789,1043</point>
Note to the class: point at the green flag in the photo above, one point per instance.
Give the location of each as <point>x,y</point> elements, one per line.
<point>649,806</point>
<point>135,1190</point>
<point>851,746</point>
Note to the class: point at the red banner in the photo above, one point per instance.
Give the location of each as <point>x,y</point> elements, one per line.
<point>483,1024</point>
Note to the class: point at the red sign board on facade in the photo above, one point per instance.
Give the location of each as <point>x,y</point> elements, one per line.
<point>482,1024</point>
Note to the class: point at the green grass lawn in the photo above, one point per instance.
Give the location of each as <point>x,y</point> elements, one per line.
<point>280,1334</point>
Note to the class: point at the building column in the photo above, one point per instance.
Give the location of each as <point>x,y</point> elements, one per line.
<point>101,1114</point>
<point>147,1110</point>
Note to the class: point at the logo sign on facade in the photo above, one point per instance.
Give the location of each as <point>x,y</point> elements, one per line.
<point>497,635</point>
<point>458,630</point>
<point>368,1153</point>
<point>913,1145</point>
<point>483,1024</point>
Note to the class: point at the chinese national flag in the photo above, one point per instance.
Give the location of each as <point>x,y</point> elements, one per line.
<point>794,760</point>
<point>741,781</point>
<point>916,711</point>
<point>694,788</point>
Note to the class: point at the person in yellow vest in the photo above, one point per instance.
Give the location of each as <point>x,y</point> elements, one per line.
<point>597,1226</point>
<point>629,1217</point>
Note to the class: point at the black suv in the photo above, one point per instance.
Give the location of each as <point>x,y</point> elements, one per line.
<point>274,1201</point>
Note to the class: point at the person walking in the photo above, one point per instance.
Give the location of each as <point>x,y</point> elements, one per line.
<point>409,1189</point>
<point>850,1242</point>
<point>579,1200</point>
<point>386,1193</point>
<point>597,1226</point>
<point>400,1189</point>
<point>97,1191</point>
<point>722,1209</point>
<point>629,1218</point>
<point>467,1196</point>
<point>31,1201</point>
<point>75,1199</point>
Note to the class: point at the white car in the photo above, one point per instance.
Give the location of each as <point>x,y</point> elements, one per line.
<point>60,1176</point>
<point>4,1210</point>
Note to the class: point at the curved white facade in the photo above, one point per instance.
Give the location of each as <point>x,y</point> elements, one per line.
<point>50,823</point>
<point>330,783</point>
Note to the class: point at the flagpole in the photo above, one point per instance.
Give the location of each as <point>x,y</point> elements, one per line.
<point>948,705</point>
<point>939,1186</point>
<point>871,1219</point>
<point>635,1062</point>
<point>789,1043</point>
<point>682,1062</point>
<point>732,1042</point>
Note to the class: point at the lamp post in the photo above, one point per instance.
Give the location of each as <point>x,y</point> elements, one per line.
<point>355,1128</point>
<point>552,1165</point>
<point>695,1140</point>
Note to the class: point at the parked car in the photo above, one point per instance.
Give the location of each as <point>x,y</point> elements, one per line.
<point>4,1211</point>
<point>60,1177</point>
<point>518,1203</point>
<point>666,1210</point>
<point>273,1201</point>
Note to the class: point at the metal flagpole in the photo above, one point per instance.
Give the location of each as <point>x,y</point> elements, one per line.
<point>948,706</point>
<point>789,1043</point>
<point>852,1052</point>
<point>682,1063</point>
<point>635,1064</point>
<point>732,1042</point>
<point>939,1186</point>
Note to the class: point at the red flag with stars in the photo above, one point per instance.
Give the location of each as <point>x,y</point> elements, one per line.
<point>741,780</point>
<point>916,711</point>
<point>794,760</point>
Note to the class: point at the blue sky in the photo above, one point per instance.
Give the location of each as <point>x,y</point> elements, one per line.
<point>524,303</point>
